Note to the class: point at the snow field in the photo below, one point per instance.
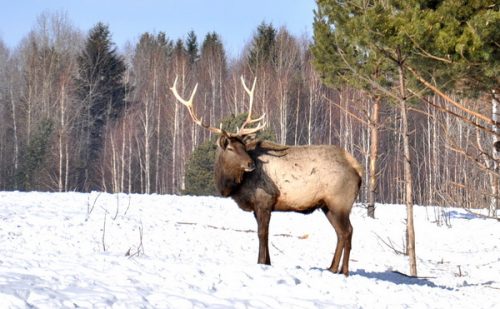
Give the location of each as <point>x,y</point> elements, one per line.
<point>194,252</point>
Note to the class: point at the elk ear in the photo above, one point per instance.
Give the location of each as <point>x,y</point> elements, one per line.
<point>252,143</point>
<point>223,140</point>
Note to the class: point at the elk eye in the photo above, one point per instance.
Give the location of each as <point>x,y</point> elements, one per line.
<point>230,148</point>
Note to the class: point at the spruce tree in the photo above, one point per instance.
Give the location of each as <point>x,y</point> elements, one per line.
<point>262,49</point>
<point>192,47</point>
<point>35,154</point>
<point>179,47</point>
<point>101,89</point>
<point>212,45</point>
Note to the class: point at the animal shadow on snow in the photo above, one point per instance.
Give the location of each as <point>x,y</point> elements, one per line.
<point>397,278</point>
<point>460,215</point>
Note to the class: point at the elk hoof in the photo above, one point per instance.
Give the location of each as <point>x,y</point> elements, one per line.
<point>345,272</point>
<point>334,270</point>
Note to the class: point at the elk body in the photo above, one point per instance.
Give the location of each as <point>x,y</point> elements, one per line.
<point>264,177</point>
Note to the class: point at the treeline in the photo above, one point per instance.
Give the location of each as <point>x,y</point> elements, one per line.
<point>76,114</point>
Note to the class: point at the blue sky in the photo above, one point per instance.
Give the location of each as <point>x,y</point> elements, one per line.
<point>234,20</point>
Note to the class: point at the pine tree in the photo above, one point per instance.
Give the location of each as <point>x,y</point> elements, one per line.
<point>102,92</point>
<point>452,43</point>
<point>456,43</point>
<point>343,60</point>
<point>354,40</point>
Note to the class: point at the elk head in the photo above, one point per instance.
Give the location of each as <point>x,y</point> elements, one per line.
<point>232,159</point>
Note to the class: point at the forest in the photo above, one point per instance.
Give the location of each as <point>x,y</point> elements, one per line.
<point>79,114</point>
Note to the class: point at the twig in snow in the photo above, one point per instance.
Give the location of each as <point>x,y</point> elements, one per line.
<point>90,209</point>
<point>140,247</point>
<point>277,248</point>
<point>117,206</point>
<point>390,245</point>
<point>128,206</point>
<point>104,232</point>
<point>460,273</point>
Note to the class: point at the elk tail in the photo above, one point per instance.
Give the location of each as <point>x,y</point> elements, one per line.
<point>355,164</point>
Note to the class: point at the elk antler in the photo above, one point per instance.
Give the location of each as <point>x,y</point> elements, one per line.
<point>245,131</point>
<point>189,105</point>
<point>241,131</point>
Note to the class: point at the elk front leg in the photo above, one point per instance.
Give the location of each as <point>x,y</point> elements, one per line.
<point>263,216</point>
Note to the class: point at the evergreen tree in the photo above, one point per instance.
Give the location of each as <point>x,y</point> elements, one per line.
<point>456,43</point>
<point>452,43</point>
<point>342,60</point>
<point>363,34</point>
<point>192,47</point>
<point>262,48</point>
<point>179,47</point>
<point>200,167</point>
<point>212,46</point>
<point>339,53</point>
<point>212,51</point>
<point>34,154</point>
<point>102,92</point>
<point>149,43</point>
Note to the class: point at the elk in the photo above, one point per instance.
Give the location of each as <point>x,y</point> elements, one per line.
<point>263,177</point>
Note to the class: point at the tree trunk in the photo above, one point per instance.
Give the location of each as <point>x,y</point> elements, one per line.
<point>114,170</point>
<point>408,180</point>
<point>147,153</point>
<point>309,115</point>
<point>372,184</point>
<point>14,132</point>
<point>122,158</point>
<point>129,162</point>
<point>282,106</point>
<point>66,170</point>
<point>62,132</point>
<point>297,112</point>
<point>493,176</point>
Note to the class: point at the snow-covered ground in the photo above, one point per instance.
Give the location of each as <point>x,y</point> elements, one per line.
<point>153,251</point>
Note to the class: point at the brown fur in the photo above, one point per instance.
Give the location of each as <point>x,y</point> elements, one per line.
<point>290,178</point>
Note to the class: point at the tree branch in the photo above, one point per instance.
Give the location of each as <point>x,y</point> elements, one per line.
<point>447,98</point>
<point>443,109</point>
<point>345,110</point>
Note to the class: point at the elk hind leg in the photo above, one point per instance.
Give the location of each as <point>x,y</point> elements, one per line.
<point>347,247</point>
<point>343,229</point>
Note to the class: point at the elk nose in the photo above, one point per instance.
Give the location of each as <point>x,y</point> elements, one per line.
<point>250,167</point>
